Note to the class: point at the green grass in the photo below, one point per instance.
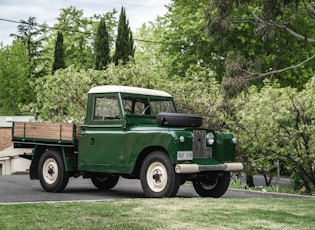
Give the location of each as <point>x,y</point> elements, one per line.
<point>173,213</point>
<point>236,184</point>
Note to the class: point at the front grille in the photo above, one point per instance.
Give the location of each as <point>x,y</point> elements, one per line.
<point>200,150</point>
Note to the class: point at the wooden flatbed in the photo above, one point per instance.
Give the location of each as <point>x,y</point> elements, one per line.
<point>44,132</point>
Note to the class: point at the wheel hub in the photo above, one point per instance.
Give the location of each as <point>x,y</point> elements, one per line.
<point>157,176</point>
<point>51,170</point>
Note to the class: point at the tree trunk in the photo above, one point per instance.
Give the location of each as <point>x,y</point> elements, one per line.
<point>250,180</point>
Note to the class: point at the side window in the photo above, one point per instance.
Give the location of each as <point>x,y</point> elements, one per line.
<point>136,105</point>
<point>106,108</point>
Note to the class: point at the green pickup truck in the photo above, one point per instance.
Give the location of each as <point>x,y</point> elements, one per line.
<point>133,133</point>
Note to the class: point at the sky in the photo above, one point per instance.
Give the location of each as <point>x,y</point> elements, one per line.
<point>137,11</point>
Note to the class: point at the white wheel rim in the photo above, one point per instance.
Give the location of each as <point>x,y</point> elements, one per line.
<point>157,177</point>
<point>50,171</point>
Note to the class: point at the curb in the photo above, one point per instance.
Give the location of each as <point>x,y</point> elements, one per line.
<point>272,194</point>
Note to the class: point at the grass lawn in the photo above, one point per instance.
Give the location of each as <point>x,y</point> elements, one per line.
<point>171,213</point>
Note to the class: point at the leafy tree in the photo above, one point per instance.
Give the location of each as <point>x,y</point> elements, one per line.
<point>59,59</point>
<point>277,123</point>
<point>263,39</point>
<point>78,37</point>
<point>182,38</point>
<point>29,32</point>
<point>15,87</point>
<point>101,47</point>
<point>124,41</point>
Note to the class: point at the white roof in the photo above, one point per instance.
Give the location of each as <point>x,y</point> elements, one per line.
<point>128,89</point>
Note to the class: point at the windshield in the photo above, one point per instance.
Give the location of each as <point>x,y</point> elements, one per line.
<point>142,106</point>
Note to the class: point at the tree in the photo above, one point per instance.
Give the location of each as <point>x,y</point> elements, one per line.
<point>263,39</point>
<point>78,37</point>
<point>182,39</point>
<point>124,41</point>
<point>101,47</point>
<point>276,123</point>
<point>59,59</point>
<point>15,87</point>
<point>29,32</point>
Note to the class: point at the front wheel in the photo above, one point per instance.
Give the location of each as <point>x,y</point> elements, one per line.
<point>51,171</point>
<point>212,186</point>
<point>105,182</point>
<point>158,177</point>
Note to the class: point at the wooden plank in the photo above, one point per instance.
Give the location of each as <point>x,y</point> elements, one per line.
<point>41,130</point>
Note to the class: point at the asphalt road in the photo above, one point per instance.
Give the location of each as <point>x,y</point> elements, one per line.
<point>19,188</point>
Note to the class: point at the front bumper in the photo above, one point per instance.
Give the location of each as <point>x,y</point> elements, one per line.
<point>195,168</point>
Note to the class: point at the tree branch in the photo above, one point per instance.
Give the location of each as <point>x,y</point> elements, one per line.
<point>260,75</point>
<point>293,33</point>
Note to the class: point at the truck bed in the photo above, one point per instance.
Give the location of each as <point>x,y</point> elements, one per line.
<point>44,132</point>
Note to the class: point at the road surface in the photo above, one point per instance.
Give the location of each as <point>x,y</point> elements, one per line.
<point>19,188</point>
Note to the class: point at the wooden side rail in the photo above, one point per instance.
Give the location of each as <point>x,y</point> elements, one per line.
<point>42,130</point>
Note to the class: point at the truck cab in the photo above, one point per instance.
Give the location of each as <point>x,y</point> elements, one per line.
<point>138,133</point>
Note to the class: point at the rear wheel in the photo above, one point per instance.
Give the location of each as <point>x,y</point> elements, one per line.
<point>158,177</point>
<point>51,171</point>
<point>212,186</point>
<point>105,182</point>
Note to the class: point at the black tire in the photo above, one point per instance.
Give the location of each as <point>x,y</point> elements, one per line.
<point>179,119</point>
<point>158,177</point>
<point>105,182</point>
<point>212,187</point>
<point>51,171</point>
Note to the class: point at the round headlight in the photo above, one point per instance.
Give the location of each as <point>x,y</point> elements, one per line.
<point>234,140</point>
<point>210,138</point>
<point>182,139</point>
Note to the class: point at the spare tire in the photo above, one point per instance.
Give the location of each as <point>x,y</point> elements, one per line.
<point>179,119</point>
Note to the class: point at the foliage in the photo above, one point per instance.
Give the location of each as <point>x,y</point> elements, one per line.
<point>148,51</point>
<point>101,47</point>
<point>183,42</point>
<point>124,41</point>
<point>251,32</point>
<point>78,37</point>
<point>62,96</point>
<point>277,123</point>
<point>59,60</point>
<point>15,87</point>
<point>30,33</point>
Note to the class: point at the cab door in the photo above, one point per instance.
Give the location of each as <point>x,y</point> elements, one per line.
<point>100,141</point>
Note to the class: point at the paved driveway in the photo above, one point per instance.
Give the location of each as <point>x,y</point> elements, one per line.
<point>19,188</point>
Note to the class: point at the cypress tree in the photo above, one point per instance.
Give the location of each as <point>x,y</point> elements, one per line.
<point>124,41</point>
<point>59,57</point>
<point>101,47</point>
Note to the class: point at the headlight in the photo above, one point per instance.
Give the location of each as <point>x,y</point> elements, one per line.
<point>234,140</point>
<point>210,138</point>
